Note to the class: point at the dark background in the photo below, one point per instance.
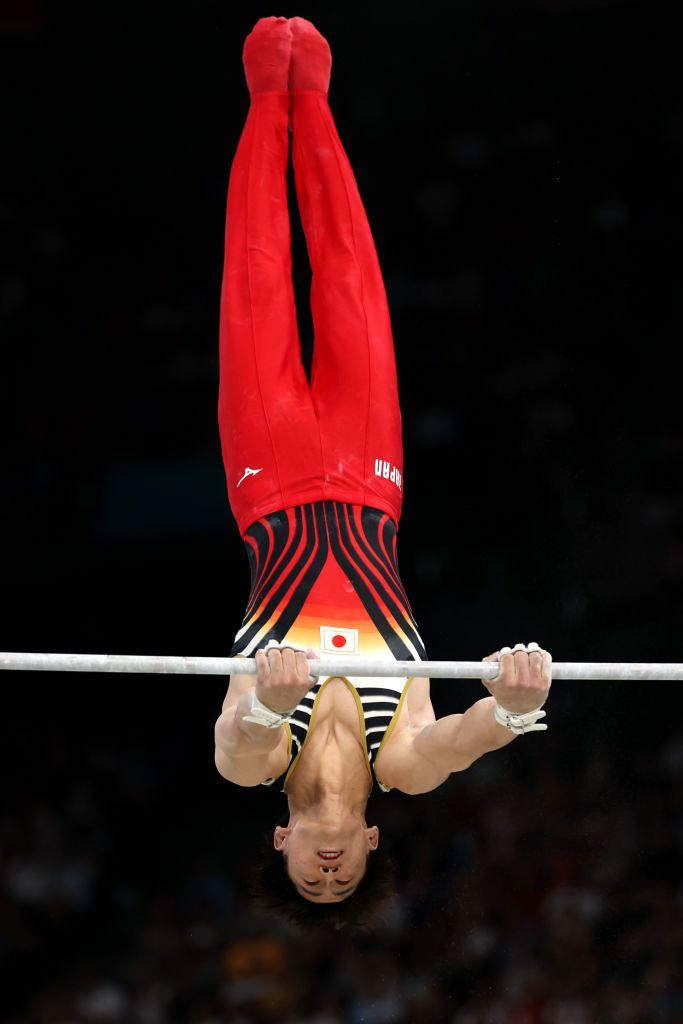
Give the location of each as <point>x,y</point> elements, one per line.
<point>521,166</point>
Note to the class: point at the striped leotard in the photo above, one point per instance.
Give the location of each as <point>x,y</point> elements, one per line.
<point>325,575</point>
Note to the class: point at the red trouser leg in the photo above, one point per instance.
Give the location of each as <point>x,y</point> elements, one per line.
<point>353,374</point>
<point>269,432</point>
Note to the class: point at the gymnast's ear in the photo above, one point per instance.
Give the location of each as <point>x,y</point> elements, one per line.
<point>279,836</point>
<point>372,837</point>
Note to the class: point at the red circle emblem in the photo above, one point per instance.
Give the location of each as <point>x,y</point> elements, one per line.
<point>338,640</point>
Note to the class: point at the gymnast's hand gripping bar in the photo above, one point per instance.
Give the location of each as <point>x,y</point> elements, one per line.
<point>342,666</point>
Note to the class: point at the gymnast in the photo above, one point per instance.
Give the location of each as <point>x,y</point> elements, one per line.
<point>315,483</point>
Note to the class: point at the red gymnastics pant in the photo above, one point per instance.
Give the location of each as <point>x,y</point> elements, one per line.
<point>285,443</point>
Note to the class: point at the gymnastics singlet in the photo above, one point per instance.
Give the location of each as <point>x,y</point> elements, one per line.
<point>325,575</point>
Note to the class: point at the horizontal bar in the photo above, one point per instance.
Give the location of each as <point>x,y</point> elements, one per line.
<point>342,666</point>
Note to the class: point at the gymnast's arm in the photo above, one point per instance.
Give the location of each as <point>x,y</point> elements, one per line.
<point>244,750</point>
<point>422,757</point>
<point>429,753</point>
<point>455,742</point>
<point>247,753</point>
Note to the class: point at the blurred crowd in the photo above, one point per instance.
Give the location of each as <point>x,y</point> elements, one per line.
<point>526,895</point>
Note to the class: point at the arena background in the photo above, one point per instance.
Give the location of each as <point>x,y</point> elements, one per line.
<point>521,168</point>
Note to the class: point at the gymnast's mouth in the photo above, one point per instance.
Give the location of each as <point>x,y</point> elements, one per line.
<point>330,854</point>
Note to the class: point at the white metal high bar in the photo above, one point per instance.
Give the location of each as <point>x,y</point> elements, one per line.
<point>342,666</point>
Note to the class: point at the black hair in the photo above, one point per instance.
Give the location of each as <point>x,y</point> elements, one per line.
<point>274,893</point>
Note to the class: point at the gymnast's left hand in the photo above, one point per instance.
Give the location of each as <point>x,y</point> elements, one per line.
<point>523,682</point>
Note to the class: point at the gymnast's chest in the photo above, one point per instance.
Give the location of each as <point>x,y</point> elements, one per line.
<point>338,708</point>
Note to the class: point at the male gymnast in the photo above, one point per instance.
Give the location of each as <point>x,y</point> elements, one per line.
<point>315,482</point>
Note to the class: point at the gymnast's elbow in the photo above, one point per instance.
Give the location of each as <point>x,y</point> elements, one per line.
<point>240,770</point>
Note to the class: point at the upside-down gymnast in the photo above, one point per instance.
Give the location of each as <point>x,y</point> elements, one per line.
<point>315,482</point>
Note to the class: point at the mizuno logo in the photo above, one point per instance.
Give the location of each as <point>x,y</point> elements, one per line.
<point>249,472</point>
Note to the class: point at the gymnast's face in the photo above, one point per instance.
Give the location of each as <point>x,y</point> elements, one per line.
<point>321,879</point>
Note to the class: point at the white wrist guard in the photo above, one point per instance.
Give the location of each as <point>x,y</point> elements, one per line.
<point>263,715</point>
<point>519,723</point>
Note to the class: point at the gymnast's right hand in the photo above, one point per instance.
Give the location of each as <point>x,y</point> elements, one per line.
<point>283,677</point>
